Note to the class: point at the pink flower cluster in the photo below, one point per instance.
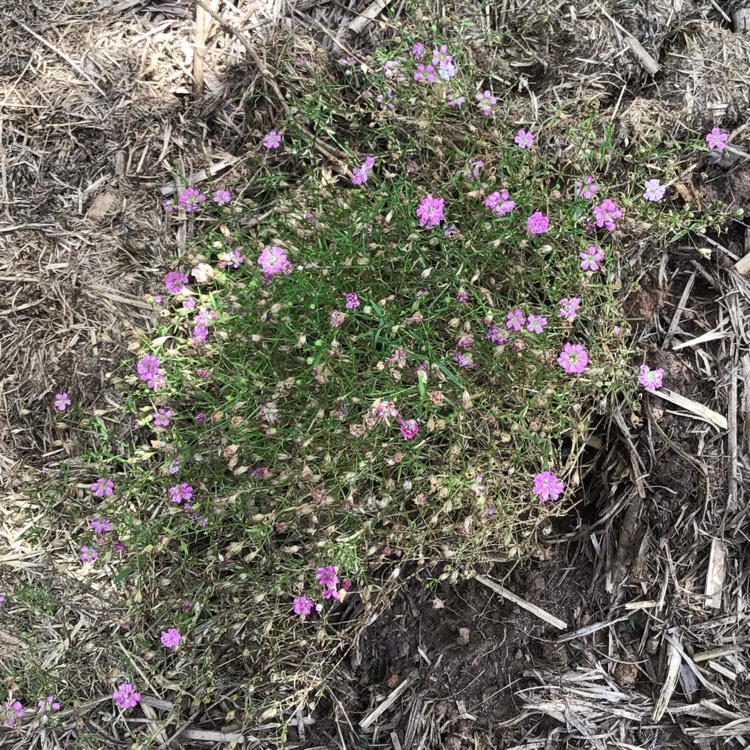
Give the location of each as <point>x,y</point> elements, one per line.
<point>362,172</point>
<point>149,370</point>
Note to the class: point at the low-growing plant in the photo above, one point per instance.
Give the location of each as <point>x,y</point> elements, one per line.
<point>361,373</point>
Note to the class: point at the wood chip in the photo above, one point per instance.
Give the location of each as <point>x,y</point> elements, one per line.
<point>717,571</point>
<point>367,16</point>
<point>670,682</point>
<point>528,606</point>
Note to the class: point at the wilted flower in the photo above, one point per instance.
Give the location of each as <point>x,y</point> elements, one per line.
<point>586,188</point>
<point>409,428</point>
<point>569,307</point>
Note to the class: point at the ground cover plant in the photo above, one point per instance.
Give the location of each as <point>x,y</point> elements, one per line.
<point>364,368</point>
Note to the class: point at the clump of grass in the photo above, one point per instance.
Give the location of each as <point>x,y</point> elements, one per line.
<point>358,375</point>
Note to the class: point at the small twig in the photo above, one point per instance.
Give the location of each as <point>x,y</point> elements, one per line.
<point>386,704</point>
<point>528,606</point>
<point>58,52</point>
<point>675,324</point>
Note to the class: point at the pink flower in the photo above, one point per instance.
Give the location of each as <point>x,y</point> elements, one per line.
<point>326,576</point>
<point>485,100</point>
<point>13,712</point>
<point>409,428</point>
<point>362,172</point>
<point>547,486</point>
<point>303,605</point>
<point>100,525</point>
<point>425,74</point>
<point>500,202</point>
<point>587,188</point>
<point>88,554</point>
<point>650,379</point>
<point>430,211</point>
<point>392,69</point>
<point>457,101</point>
<point>48,704</point>
<point>654,190</point>
<point>103,487</point>
<point>181,492</point>
<point>162,417</point>
<point>538,223</point>
<point>573,358</point>
<point>150,371</point>
<point>175,281</point>
<point>537,323</point>
<point>524,139</point>
<point>569,307</point>
<point>417,51</point>
<point>472,169</point>
<point>272,140</point>
<point>62,401</point>
<point>516,320</point>
<point>717,139</point>
<point>126,696</point>
<point>171,638</point>
<point>222,197</point>
<point>191,199</point>
<point>605,213</point>
<point>352,300</point>
<point>274,260</point>
<point>591,257</point>
<point>477,487</point>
